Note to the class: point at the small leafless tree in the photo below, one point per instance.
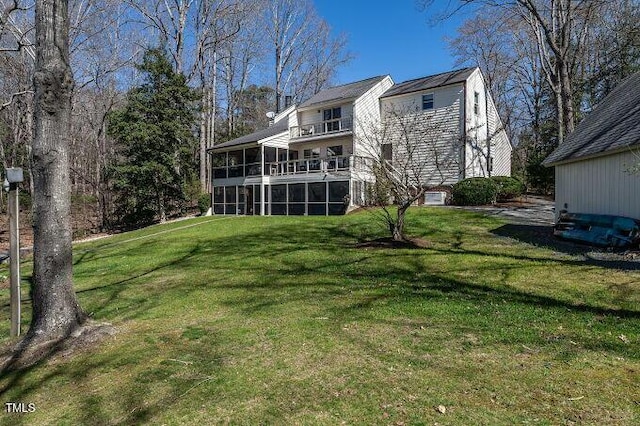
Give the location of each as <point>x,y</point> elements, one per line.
<point>408,152</point>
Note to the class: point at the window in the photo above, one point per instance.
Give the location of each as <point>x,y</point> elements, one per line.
<point>296,199</point>
<point>331,119</point>
<point>236,163</point>
<point>387,153</point>
<point>312,153</point>
<point>476,103</point>
<point>219,163</point>
<point>427,101</point>
<point>334,151</point>
<point>317,194</point>
<point>332,113</point>
<point>278,199</point>
<point>252,162</point>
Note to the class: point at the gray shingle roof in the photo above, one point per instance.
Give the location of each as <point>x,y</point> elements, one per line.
<point>343,92</point>
<point>430,82</point>
<point>614,124</point>
<point>279,127</point>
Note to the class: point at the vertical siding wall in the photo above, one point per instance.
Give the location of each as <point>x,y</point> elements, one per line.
<point>600,186</point>
<point>435,135</point>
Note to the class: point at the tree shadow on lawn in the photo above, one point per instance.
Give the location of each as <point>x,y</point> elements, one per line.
<point>542,236</point>
<point>175,378</point>
<point>367,278</point>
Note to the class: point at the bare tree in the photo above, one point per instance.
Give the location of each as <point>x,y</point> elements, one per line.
<point>409,152</point>
<point>305,54</point>
<point>56,312</point>
<point>560,29</point>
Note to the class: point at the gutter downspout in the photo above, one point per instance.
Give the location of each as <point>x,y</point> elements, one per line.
<point>264,167</point>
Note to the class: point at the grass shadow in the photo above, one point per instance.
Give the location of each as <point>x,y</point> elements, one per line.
<point>542,236</point>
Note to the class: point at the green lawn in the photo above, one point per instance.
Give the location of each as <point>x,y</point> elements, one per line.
<point>282,320</point>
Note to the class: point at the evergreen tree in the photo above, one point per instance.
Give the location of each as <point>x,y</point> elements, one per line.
<point>156,141</point>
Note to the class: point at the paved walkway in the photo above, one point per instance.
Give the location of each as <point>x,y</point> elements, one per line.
<point>531,210</point>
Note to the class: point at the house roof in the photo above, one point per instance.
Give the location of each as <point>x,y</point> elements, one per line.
<point>343,92</point>
<point>613,125</point>
<point>430,82</point>
<point>278,127</point>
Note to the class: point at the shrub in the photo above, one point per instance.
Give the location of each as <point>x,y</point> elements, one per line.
<point>474,192</point>
<point>508,187</point>
<point>204,202</point>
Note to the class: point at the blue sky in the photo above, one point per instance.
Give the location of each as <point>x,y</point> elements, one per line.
<point>389,37</point>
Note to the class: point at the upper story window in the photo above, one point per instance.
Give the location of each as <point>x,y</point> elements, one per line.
<point>331,118</point>
<point>427,101</point>
<point>476,103</point>
<point>387,151</point>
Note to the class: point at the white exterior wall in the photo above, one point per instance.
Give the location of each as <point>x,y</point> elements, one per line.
<point>476,150</point>
<point>436,135</point>
<point>345,141</point>
<point>599,185</point>
<point>500,145</point>
<point>280,140</point>
<point>485,133</point>
<point>366,110</point>
<point>315,115</point>
<point>293,118</point>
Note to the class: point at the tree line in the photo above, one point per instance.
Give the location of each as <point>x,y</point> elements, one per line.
<point>237,60</point>
<point>547,63</point>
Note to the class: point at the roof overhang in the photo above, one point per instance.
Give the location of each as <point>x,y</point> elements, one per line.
<point>327,104</point>
<point>426,89</point>
<point>630,148</point>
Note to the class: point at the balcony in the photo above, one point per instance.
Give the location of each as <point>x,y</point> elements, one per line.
<point>340,125</point>
<point>318,165</point>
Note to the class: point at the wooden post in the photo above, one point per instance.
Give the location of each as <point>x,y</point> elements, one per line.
<point>14,253</point>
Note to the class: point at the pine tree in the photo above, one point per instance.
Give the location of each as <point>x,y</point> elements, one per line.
<point>156,141</point>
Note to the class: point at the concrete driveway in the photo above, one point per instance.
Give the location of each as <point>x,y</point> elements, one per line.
<point>530,210</point>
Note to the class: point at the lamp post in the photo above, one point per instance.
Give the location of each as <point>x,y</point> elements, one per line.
<point>14,177</point>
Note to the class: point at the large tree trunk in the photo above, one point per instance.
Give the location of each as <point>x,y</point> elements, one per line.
<point>56,312</point>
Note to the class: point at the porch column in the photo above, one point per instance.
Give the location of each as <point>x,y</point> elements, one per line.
<point>264,172</point>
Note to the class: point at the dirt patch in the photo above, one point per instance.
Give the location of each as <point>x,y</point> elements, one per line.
<point>82,339</point>
<point>390,243</point>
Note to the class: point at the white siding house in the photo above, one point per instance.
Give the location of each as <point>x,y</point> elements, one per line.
<point>593,167</point>
<point>316,158</point>
<point>455,130</point>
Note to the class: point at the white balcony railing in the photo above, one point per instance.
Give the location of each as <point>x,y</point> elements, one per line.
<point>317,165</point>
<point>322,128</point>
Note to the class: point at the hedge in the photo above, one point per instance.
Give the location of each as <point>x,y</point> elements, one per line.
<point>474,192</point>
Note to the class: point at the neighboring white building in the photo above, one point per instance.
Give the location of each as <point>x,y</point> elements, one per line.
<point>593,167</point>
<point>315,159</point>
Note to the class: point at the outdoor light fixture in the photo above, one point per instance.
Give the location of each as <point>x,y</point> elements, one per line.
<point>13,177</point>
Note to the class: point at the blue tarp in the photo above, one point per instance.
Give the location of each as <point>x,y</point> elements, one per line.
<point>599,230</point>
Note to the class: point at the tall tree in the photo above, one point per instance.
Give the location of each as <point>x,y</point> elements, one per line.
<point>559,28</point>
<point>154,132</point>
<point>305,55</point>
<point>56,312</point>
